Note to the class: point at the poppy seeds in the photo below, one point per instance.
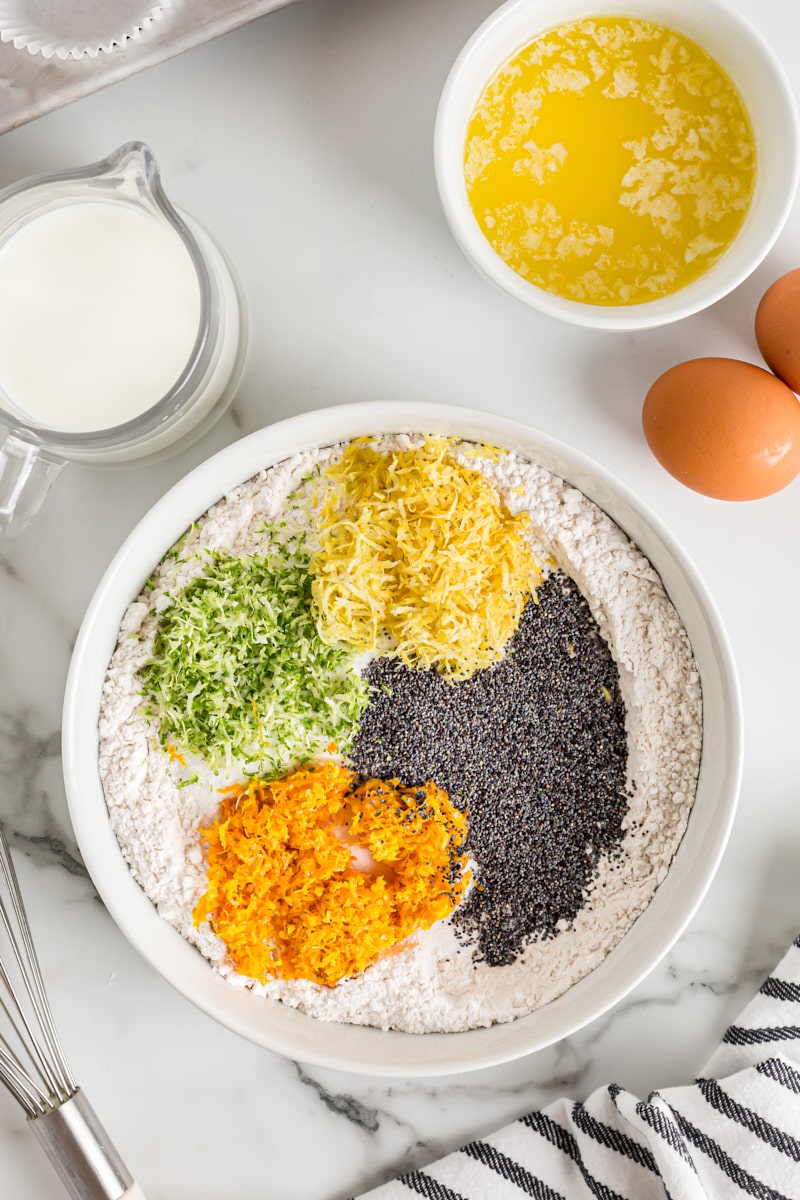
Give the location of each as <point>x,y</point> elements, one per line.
<point>533,748</point>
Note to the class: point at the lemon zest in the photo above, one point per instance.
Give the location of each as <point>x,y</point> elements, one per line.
<point>418,557</point>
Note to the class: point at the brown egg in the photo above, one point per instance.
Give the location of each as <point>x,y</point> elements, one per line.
<point>725,428</point>
<point>778,328</point>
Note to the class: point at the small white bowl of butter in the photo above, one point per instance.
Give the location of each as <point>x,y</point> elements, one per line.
<point>616,165</point>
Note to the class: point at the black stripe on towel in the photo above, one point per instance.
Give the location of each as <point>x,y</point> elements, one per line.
<point>781,1072</point>
<point>666,1128</point>
<point>612,1138</point>
<point>739,1036</point>
<point>780,989</point>
<point>563,1140</point>
<point>719,1099</point>
<point>743,1179</point>
<point>427,1186</point>
<point>513,1171</point>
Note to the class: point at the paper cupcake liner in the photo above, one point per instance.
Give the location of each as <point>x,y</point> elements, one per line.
<point>56,29</point>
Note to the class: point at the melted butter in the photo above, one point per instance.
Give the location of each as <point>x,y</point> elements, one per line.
<point>610,161</point>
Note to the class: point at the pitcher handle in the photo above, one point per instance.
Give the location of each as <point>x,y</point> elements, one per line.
<point>27,472</point>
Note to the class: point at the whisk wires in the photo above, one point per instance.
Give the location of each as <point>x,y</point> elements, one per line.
<point>32,1063</point>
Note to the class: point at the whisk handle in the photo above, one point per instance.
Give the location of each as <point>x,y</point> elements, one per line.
<point>82,1153</point>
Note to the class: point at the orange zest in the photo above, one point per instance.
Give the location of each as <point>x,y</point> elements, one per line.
<point>254,707</point>
<point>317,875</point>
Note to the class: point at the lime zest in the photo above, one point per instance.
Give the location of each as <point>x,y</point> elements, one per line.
<point>239,673</point>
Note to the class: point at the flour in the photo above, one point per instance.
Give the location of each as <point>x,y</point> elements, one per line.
<point>434,983</point>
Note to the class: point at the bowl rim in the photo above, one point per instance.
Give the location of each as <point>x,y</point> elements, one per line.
<point>362,1049</point>
<point>723,276</point>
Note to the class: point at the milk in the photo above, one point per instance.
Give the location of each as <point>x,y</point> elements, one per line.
<point>99,313</point>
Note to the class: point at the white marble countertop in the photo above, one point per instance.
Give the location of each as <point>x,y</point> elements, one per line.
<point>303,142</point>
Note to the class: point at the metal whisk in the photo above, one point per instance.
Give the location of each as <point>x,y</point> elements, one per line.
<point>33,1067</point>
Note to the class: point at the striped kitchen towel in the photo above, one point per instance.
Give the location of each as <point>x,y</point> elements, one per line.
<point>734,1132</point>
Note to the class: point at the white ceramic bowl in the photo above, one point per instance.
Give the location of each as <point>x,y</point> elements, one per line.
<point>741,52</point>
<point>350,1047</point>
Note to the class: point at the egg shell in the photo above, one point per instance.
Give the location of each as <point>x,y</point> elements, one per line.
<point>778,328</point>
<point>725,428</point>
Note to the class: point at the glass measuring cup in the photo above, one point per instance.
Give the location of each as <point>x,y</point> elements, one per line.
<point>186,394</point>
